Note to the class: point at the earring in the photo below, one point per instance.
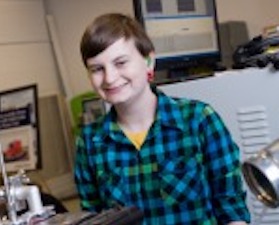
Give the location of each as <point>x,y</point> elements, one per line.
<point>148,59</point>
<point>150,76</point>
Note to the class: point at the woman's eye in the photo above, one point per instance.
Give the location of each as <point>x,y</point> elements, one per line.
<point>120,63</point>
<point>95,70</point>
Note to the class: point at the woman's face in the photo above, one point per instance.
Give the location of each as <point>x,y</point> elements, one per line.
<point>119,73</point>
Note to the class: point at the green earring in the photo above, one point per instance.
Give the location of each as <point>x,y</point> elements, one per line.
<point>148,59</point>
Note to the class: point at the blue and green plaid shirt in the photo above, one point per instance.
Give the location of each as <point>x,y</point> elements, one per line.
<point>186,172</point>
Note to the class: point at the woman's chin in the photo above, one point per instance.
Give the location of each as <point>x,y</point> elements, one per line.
<point>116,98</point>
<point>115,101</point>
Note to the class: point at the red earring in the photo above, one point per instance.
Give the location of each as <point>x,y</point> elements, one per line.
<point>150,76</point>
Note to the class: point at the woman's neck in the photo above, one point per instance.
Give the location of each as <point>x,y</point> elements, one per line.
<point>137,115</point>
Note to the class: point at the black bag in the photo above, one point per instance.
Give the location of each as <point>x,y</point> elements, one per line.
<point>256,53</point>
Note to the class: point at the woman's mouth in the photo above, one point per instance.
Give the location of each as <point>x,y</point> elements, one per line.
<point>115,89</point>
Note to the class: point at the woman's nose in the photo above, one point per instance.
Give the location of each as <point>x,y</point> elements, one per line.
<point>110,75</point>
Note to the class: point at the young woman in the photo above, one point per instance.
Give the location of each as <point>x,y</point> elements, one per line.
<point>172,158</point>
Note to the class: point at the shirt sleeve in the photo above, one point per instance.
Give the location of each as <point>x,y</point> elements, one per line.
<point>85,179</point>
<point>223,168</point>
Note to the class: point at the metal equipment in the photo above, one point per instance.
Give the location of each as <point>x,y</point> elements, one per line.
<point>261,173</point>
<point>16,193</point>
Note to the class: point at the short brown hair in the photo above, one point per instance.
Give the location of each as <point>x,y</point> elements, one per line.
<point>108,28</point>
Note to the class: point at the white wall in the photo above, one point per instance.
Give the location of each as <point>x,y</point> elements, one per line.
<point>257,13</point>
<point>71,17</point>
<point>25,51</point>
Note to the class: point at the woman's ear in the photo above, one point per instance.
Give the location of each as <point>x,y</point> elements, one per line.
<point>150,60</point>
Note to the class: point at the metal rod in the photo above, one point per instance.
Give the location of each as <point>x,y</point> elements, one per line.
<point>10,203</point>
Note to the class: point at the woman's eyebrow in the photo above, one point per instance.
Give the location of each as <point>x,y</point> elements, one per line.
<point>121,57</point>
<point>94,65</point>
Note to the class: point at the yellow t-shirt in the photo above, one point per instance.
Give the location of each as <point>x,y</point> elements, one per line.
<point>137,138</point>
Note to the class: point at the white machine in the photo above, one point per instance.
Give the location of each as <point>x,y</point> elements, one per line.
<point>16,193</point>
<point>248,102</point>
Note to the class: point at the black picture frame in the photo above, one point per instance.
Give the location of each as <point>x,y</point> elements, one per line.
<point>92,108</point>
<point>19,128</point>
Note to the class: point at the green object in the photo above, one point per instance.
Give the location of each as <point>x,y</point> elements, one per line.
<point>76,108</point>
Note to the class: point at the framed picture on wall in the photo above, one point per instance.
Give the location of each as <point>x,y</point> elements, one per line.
<point>92,109</point>
<point>19,128</point>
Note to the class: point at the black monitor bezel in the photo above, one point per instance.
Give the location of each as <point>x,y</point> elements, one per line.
<point>192,60</point>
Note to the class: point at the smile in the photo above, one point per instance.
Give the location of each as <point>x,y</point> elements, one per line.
<point>114,90</point>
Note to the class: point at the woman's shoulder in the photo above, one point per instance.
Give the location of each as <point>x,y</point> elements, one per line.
<point>94,127</point>
<point>183,102</point>
<point>189,104</point>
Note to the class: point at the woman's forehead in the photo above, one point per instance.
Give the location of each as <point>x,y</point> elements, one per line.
<point>119,49</point>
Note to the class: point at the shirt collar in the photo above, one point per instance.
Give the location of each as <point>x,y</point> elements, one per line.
<point>169,111</point>
<point>168,114</point>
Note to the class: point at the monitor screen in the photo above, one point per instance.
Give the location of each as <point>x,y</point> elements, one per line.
<point>184,32</point>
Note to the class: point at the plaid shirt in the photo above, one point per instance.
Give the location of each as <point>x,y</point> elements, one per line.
<point>186,172</point>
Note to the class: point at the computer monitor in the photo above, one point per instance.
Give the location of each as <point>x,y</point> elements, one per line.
<point>184,32</point>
